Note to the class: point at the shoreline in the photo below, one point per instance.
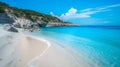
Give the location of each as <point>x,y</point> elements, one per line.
<point>62,53</point>
<point>33,51</point>
<point>41,39</point>
<point>55,56</point>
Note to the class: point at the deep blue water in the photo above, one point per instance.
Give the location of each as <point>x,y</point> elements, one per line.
<point>100,45</point>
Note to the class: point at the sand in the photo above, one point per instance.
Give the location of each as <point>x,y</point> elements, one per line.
<point>30,51</point>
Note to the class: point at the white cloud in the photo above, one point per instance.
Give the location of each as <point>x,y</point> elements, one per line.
<point>110,6</point>
<point>85,10</point>
<point>72,13</point>
<point>85,13</point>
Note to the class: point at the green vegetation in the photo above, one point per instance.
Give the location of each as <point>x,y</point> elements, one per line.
<point>3,6</point>
<point>27,14</point>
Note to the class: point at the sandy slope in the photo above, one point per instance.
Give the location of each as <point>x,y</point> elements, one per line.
<point>8,44</point>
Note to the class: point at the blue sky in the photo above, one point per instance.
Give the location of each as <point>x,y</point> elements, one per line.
<point>83,12</point>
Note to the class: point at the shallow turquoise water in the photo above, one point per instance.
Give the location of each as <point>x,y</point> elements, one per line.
<point>100,45</point>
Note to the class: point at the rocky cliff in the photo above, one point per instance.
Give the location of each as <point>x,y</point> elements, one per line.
<point>28,19</point>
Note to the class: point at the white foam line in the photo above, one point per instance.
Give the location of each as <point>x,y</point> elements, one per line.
<point>41,39</point>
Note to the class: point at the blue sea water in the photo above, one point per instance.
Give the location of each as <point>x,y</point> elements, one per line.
<point>100,45</point>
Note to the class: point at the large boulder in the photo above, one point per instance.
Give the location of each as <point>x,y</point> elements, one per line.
<point>10,28</point>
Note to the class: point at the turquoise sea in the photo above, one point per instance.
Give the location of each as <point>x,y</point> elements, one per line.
<point>99,45</point>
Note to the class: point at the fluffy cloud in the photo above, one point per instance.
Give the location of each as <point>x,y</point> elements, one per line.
<point>72,13</point>
<point>85,13</point>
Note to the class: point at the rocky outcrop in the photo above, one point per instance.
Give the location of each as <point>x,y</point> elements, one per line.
<point>42,24</point>
<point>27,24</point>
<point>10,28</point>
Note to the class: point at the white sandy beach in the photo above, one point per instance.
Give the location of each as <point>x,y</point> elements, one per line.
<point>19,50</point>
